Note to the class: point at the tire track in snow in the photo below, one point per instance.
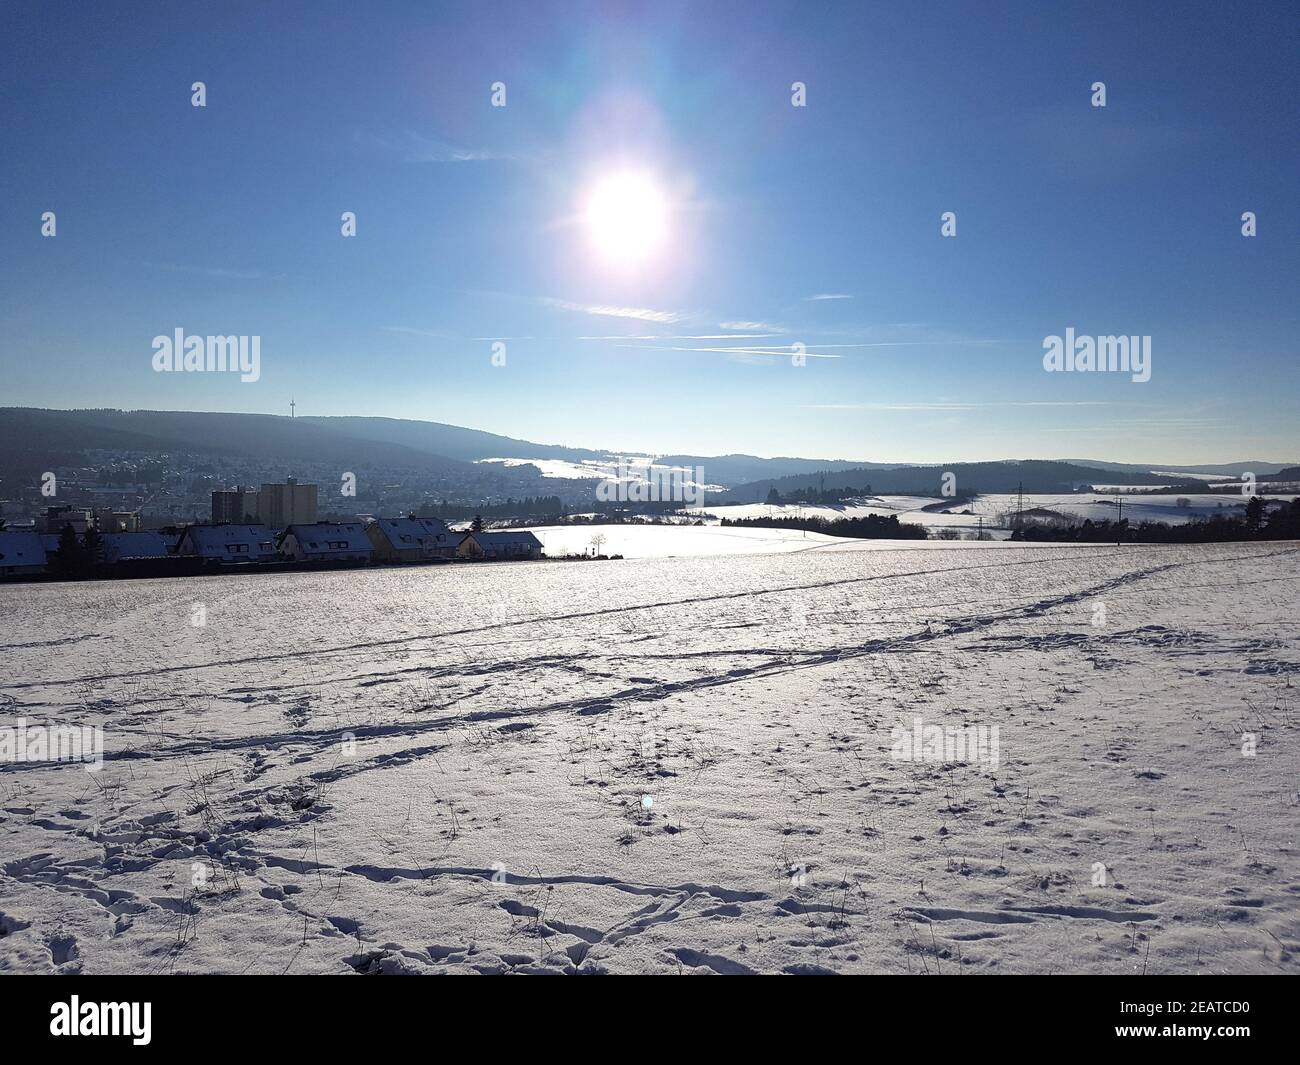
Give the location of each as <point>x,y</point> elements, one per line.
<point>784,662</point>
<point>1069,555</point>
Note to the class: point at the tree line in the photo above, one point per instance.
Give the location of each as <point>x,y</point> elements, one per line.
<point>1259,522</point>
<point>815,495</point>
<point>872,527</point>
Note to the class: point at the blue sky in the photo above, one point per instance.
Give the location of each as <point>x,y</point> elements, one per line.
<point>226,220</point>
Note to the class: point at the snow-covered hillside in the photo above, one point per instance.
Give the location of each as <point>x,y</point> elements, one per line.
<point>988,511</point>
<point>666,765</point>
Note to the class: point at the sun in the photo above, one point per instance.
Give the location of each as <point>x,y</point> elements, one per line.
<point>626,217</point>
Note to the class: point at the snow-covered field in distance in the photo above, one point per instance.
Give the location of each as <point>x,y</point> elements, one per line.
<point>665,541</point>
<point>993,506</point>
<point>565,468</point>
<point>675,541</point>
<point>630,469</point>
<point>665,765</point>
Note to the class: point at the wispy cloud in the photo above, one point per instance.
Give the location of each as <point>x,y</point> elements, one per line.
<point>765,326</point>
<point>912,334</point>
<point>218,271</point>
<point>414,332</point>
<point>739,353</point>
<point>640,314</point>
<point>828,296</point>
<point>705,336</point>
<point>920,343</point>
<point>419,148</point>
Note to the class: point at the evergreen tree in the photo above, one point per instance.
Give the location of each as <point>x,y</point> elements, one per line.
<point>92,545</point>
<point>1255,514</point>
<point>69,558</point>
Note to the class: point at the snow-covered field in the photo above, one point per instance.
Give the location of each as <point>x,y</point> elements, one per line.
<point>665,765</point>
<point>666,541</point>
<point>590,470</point>
<point>677,541</point>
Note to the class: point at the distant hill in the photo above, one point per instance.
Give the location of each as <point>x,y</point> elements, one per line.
<point>453,441</point>
<point>32,439</point>
<point>471,445</point>
<point>1228,469</point>
<point>738,469</point>
<point>1034,475</point>
<point>1289,474</point>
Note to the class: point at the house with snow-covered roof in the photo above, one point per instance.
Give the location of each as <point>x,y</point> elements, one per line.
<point>500,545</point>
<point>411,539</point>
<point>229,543</point>
<point>126,546</point>
<point>21,553</point>
<point>327,541</point>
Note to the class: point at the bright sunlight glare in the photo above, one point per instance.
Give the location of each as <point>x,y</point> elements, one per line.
<point>626,217</point>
